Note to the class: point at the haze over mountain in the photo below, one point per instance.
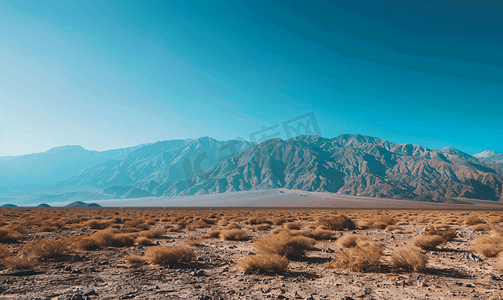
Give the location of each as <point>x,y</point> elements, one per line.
<point>346,164</point>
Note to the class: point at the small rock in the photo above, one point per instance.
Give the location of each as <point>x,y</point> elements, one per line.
<point>77,297</point>
<point>68,268</point>
<point>347,298</point>
<point>205,298</point>
<point>77,257</point>
<point>103,262</point>
<point>421,284</point>
<point>90,292</point>
<point>469,285</point>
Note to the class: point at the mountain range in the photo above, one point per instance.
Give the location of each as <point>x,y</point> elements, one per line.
<point>347,164</point>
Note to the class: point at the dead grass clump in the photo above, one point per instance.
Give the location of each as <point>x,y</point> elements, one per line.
<point>96,224</point>
<point>106,238</point>
<point>364,258</point>
<point>473,220</point>
<point>284,244</point>
<point>481,227</point>
<point>167,256</point>
<point>153,233</point>
<point>193,241</point>
<point>50,249</point>
<point>495,220</point>
<point>278,221</point>
<point>382,222</point>
<point>143,241</point>
<point>321,234</point>
<point>428,242</point>
<point>134,260</point>
<point>257,220</point>
<point>444,231</point>
<point>16,262</point>
<point>487,246</point>
<point>214,234</point>
<point>487,250</point>
<point>339,222</point>
<point>235,225</point>
<point>4,252</point>
<point>8,235</point>
<point>352,240</point>
<point>262,227</point>
<point>234,235</point>
<point>292,226</point>
<point>263,263</point>
<point>408,259</point>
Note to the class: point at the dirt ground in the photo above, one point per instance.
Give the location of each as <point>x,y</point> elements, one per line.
<point>214,274</point>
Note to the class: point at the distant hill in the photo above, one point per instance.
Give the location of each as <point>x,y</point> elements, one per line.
<point>8,206</point>
<point>80,204</point>
<point>43,205</point>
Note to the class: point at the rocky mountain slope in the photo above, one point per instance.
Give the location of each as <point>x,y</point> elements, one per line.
<point>34,171</point>
<point>352,165</point>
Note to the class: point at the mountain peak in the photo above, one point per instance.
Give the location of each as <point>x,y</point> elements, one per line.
<point>66,148</point>
<point>487,153</point>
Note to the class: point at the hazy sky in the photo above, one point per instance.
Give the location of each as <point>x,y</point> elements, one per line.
<point>110,74</point>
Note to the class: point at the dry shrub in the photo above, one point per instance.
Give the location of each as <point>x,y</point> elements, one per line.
<point>263,227</point>
<point>235,225</point>
<point>428,242</point>
<point>444,231</point>
<point>382,222</point>
<point>339,222</point>
<point>4,252</point>
<point>495,220</point>
<point>48,228</point>
<point>473,220</point>
<point>197,225</point>
<point>487,250</point>
<point>351,240</point>
<point>487,246</point>
<point>193,241</point>
<point>8,235</point>
<point>408,259</point>
<point>263,263</point>
<point>96,224</point>
<point>104,239</point>
<point>153,233</point>
<point>481,227</point>
<point>284,244</point>
<point>257,220</point>
<point>134,260</point>
<point>422,220</point>
<point>321,234</point>
<point>361,258</point>
<point>214,234</point>
<point>278,221</point>
<point>143,240</point>
<point>234,235</point>
<point>50,249</point>
<point>16,262</point>
<point>392,228</point>
<point>167,256</point>
<point>292,226</point>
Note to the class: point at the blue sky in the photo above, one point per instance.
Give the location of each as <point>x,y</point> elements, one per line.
<point>110,74</point>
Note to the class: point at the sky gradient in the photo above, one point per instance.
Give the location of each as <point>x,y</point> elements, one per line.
<point>112,74</point>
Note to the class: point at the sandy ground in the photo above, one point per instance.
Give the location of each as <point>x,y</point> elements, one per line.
<point>214,274</point>
<point>289,198</point>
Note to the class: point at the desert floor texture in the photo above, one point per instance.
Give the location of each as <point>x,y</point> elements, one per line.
<point>250,254</point>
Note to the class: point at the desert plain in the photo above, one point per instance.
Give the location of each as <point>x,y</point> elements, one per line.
<point>250,253</point>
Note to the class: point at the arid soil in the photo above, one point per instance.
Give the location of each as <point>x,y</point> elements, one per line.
<point>213,272</point>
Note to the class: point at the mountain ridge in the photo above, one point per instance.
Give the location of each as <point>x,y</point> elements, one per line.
<point>346,164</point>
